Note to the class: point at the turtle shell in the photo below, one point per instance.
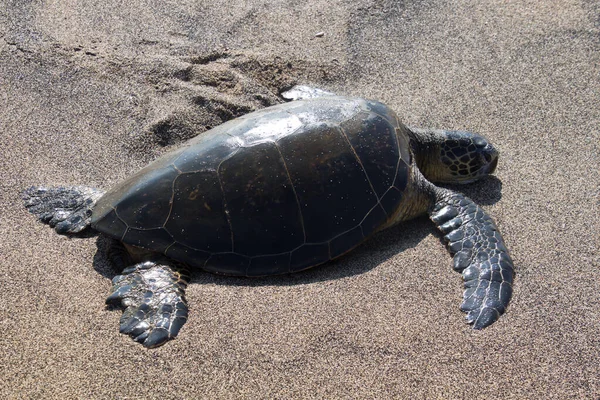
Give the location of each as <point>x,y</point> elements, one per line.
<point>279,190</point>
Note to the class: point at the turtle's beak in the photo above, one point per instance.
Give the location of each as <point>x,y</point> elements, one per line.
<point>492,166</point>
<point>488,155</point>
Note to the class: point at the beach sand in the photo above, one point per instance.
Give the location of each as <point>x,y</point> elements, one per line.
<point>91,91</point>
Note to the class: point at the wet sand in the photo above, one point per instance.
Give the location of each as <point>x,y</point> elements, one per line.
<point>92,91</point>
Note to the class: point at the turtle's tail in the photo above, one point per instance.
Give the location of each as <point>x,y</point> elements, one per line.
<point>67,209</point>
<point>479,254</point>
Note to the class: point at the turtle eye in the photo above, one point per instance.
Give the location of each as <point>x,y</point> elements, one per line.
<point>488,157</point>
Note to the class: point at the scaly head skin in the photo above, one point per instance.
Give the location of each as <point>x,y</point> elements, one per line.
<point>452,156</point>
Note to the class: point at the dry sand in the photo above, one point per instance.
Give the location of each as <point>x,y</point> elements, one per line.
<point>91,90</point>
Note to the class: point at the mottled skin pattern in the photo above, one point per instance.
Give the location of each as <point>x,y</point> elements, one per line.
<point>280,190</point>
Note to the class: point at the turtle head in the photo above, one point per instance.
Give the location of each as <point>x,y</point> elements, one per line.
<point>454,156</point>
<point>466,157</point>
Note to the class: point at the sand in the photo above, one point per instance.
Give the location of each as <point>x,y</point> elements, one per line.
<point>90,91</point>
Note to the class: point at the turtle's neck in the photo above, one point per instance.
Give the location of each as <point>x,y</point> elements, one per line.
<point>426,144</point>
<point>417,198</point>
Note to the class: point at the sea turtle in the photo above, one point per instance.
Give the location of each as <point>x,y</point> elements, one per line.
<point>280,190</point>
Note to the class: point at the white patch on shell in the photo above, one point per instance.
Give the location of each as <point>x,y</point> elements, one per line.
<point>268,130</point>
<point>321,110</point>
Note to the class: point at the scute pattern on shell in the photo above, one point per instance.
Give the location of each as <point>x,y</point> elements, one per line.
<point>275,191</point>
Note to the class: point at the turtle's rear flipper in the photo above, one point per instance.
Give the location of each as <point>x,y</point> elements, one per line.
<point>479,253</point>
<point>66,209</point>
<point>153,295</point>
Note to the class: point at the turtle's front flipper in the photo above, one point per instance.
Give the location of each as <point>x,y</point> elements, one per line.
<point>479,253</point>
<point>66,209</point>
<point>153,295</point>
